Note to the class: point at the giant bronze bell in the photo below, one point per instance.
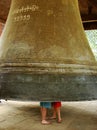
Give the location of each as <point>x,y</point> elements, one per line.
<point>44,53</point>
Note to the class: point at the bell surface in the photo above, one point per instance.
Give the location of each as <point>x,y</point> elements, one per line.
<point>44,53</point>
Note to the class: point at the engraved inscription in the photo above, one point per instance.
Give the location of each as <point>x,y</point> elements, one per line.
<point>26,9</point>
<point>24,13</point>
<point>22,18</point>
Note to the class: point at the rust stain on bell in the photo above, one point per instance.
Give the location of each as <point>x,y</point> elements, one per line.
<point>44,53</point>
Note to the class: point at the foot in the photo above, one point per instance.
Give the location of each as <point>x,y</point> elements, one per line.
<point>44,122</point>
<point>60,120</point>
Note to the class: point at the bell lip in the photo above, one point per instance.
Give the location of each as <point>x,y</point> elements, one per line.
<point>77,87</point>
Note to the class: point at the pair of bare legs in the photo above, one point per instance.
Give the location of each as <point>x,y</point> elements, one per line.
<point>57,114</point>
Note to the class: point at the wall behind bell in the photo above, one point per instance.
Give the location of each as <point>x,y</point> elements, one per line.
<point>92,38</point>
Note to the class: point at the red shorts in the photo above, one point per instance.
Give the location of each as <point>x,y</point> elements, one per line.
<point>56,104</point>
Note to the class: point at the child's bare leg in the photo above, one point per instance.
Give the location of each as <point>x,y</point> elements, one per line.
<point>54,114</point>
<point>44,113</point>
<point>59,114</point>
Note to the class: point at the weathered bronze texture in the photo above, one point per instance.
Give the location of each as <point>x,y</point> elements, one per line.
<point>44,53</point>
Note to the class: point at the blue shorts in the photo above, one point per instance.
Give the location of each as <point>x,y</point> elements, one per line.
<point>45,104</point>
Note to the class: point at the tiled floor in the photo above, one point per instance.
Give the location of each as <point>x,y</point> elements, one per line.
<point>16,115</point>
